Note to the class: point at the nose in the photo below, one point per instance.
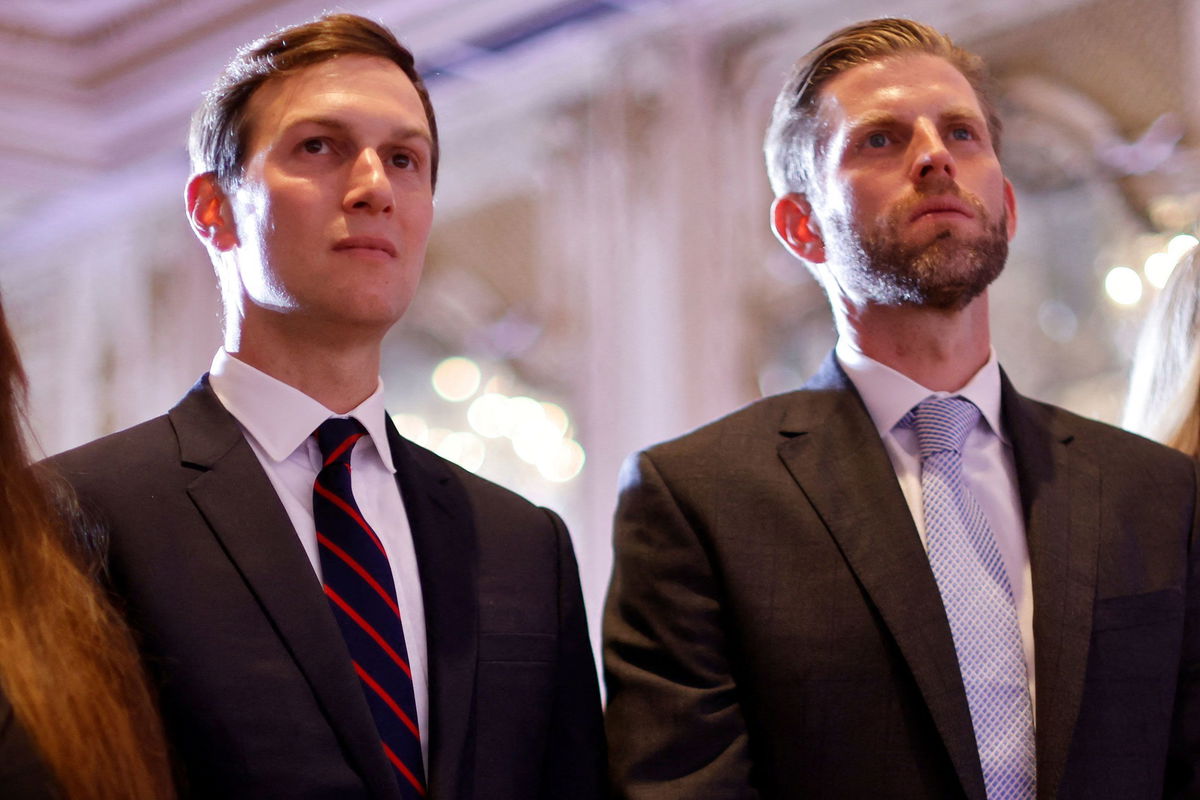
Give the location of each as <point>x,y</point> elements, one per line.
<point>931,160</point>
<point>369,189</point>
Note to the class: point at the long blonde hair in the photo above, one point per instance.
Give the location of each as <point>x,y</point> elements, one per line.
<point>68,664</point>
<point>1164,389</point>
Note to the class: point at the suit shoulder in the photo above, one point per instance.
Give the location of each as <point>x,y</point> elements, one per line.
<point>117,476</point>
<point>146,443</point>
<point>480,491</point>
<point>506,528</point>
<point>759,421</point>
<point>1110,444</point>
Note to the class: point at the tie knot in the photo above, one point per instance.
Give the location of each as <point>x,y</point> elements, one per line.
<point>941,424</point>
<point>336,437</point>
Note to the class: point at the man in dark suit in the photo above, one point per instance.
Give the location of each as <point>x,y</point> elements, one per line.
<point>402,630</point>
<point>904,580</point>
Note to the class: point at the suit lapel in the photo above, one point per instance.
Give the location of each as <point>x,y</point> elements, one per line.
<point>241,507</point>
<point>444,539</point>
<point>1060,496</point>
<point>834,452</point>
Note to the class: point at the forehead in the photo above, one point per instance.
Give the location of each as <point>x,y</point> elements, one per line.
<point>903,87</point>
<point>360,87</point>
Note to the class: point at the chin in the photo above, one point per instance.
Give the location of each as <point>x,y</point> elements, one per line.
<point>951,298</point>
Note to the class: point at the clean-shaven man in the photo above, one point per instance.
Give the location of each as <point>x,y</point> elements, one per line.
<point>330,610</point>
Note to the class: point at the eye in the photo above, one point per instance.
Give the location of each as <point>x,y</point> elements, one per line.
<point>315,146</point>
<point>402,160</point>
<point>962,134</point>
<point>876,140</point>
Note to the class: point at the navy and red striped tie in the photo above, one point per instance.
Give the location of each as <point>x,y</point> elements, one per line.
<point>358,583</point>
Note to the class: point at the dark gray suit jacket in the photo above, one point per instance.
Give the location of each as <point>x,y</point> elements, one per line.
<point>773,629</point>
<point>258,692</point>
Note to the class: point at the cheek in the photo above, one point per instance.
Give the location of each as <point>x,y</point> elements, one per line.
<point>989,185</point>
<point>847,211</point>
<point>416,221</point>
<point>422,205</point>
<point>250,212</point>
<point>293,211</point>
<point>863,195</point>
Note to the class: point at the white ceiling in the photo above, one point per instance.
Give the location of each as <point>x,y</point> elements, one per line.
<point>100,91</point>
<point>88,87</point>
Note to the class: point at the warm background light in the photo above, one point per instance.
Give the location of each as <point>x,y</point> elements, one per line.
<point>456,379</point>
<point>1123,286</point>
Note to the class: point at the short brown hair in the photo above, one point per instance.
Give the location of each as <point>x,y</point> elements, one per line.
<point>221,127</point>
<point>790,142</point>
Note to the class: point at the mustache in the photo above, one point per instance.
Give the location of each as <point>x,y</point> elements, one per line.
<point>907,207</point>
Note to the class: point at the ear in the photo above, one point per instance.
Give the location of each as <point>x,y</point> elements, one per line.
<point>795,228</point>
<point>210,213</point>
<point>1010,205</point>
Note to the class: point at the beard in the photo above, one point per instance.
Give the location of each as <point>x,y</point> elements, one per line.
<point>945,273</point>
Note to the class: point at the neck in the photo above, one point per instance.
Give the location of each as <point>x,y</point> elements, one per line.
<point>338,373</point>
<point>941,350</point>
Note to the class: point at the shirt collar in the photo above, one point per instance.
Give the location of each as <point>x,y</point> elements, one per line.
<point>281,417</point>
<point>889,395</point>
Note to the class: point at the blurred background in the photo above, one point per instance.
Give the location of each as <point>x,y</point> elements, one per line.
<point>601,273</point>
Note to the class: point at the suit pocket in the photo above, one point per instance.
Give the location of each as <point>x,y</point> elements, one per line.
<point>517,647</point>
<point>514,695</point>
<point>1137,638</point>
<point>1137,610</point>
<point>1120,738</point>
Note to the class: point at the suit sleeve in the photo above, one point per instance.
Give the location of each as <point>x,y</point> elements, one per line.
<point>576,758</point>
<point>1183,756</point>
<point>675,724</point>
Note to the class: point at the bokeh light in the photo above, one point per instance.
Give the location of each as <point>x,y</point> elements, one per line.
<point>1123,286</point>
<point>563,463</point>
<point>534,440</point>
<point>1158,268</point>
<point>412,427</point>
<point>522,411</point>
<point>1181,244</point>
<point>456,379</point>
<point>463,448</point>
<point>488,415</point>
<point>537,431</point>
<point>557,417</point>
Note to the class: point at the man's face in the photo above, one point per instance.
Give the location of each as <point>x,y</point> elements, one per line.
<point>334,208</point>
<point>908,196</point>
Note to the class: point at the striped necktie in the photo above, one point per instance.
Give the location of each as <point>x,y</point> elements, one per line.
<point>358,584</point>
<point>978,599</point>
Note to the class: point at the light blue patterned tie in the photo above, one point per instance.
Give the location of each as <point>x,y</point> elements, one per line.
<point>978,599</point>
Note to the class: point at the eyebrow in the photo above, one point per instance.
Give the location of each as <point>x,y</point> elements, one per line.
<point>884,119</point>
<point>872,119</point>
<point>333,123</point>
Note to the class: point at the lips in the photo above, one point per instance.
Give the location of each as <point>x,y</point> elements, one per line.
<point>366,243</point>
<point>942,205</point>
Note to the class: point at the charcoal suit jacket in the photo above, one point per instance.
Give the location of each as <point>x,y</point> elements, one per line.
<point>773,628</point>
<point>257,688</point>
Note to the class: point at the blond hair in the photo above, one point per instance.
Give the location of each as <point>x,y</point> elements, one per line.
<point>1164,388</point>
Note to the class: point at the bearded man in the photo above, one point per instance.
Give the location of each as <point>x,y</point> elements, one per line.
<point>905,580</point>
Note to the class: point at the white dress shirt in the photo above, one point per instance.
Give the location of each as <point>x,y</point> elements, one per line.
<point>988,467</point>
<point>278,422</point>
